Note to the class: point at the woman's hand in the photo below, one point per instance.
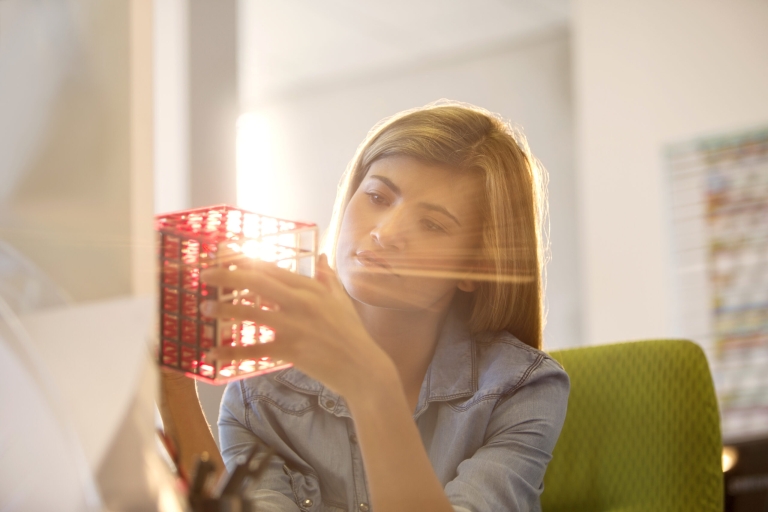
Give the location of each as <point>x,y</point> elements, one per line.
<point>316,325</point>
<point>317,328</point>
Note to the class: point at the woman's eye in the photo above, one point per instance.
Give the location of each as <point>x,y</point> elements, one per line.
<point>377,198</point>
<point>432,226</point>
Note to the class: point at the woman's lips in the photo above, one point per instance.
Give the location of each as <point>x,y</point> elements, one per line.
<point>371,259</point>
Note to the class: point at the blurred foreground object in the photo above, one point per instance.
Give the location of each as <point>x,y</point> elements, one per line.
<point>78,403</point>
<point>642,431</point>
<point>23,287</point>
<point>230,495</point>
<point>220,236</point>
<point>77,399</point>
<point>44,466</point>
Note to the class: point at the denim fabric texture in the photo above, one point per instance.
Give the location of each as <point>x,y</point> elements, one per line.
<point>489,412</point>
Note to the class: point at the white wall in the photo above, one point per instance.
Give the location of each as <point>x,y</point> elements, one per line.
<point>648,74</point>
<point>196,103</point>
<point>313,134</point>
<point>171,102</point>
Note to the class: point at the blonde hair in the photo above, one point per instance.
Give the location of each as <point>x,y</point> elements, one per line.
<point>467,138</point>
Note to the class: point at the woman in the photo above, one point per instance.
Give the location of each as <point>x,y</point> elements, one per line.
<point>418,381</point>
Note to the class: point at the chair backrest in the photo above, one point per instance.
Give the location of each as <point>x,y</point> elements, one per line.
<point>642,431</point>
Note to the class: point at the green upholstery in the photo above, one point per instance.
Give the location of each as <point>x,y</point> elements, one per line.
<point>642,431</point>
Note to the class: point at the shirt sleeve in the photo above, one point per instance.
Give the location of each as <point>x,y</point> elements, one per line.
<point>279,488</point>
<point>507,472</point>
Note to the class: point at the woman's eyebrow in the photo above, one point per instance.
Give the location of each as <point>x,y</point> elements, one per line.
<point>426,206</point>
<point>387,182</point>
<point>440,209</point>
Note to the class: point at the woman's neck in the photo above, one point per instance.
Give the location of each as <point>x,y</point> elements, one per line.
<point>408,337</point>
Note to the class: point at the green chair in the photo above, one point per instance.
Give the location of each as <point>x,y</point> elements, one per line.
<point>642,433</point>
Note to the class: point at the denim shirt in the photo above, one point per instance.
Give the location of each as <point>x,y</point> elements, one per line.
<point>489,413</point>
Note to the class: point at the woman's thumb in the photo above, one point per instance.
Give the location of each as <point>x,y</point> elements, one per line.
<point>324,272</point>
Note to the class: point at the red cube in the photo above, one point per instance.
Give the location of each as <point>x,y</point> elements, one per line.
<point>192,240</point>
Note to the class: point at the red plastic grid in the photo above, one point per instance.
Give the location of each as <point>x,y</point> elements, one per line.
<point>192,240</point>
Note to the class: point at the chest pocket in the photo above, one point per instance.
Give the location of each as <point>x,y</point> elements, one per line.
<point>306,493</point>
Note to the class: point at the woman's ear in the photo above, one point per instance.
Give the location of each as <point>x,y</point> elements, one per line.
<point>467,285</point>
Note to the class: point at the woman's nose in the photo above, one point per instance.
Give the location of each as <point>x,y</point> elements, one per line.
<point>390,232</point>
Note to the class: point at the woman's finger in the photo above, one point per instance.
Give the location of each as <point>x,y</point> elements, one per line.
<point>271,318</point>
<point>256,282</point>
<point>290,279</point>
<point>262,301</point>
<point>274,350</point>
<point>325,273</point>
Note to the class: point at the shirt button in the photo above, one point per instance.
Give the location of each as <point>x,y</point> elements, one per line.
<point>330,404</point>
<point>363,507</point>
<point>306,503</point>
<point>352,438</point>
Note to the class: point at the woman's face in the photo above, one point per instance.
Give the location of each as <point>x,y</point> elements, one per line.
<point>408,233</point>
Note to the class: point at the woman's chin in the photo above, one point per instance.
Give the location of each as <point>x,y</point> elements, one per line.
<point>375,291</point>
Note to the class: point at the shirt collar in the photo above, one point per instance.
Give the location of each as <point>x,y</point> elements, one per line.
<point>451,374</point>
